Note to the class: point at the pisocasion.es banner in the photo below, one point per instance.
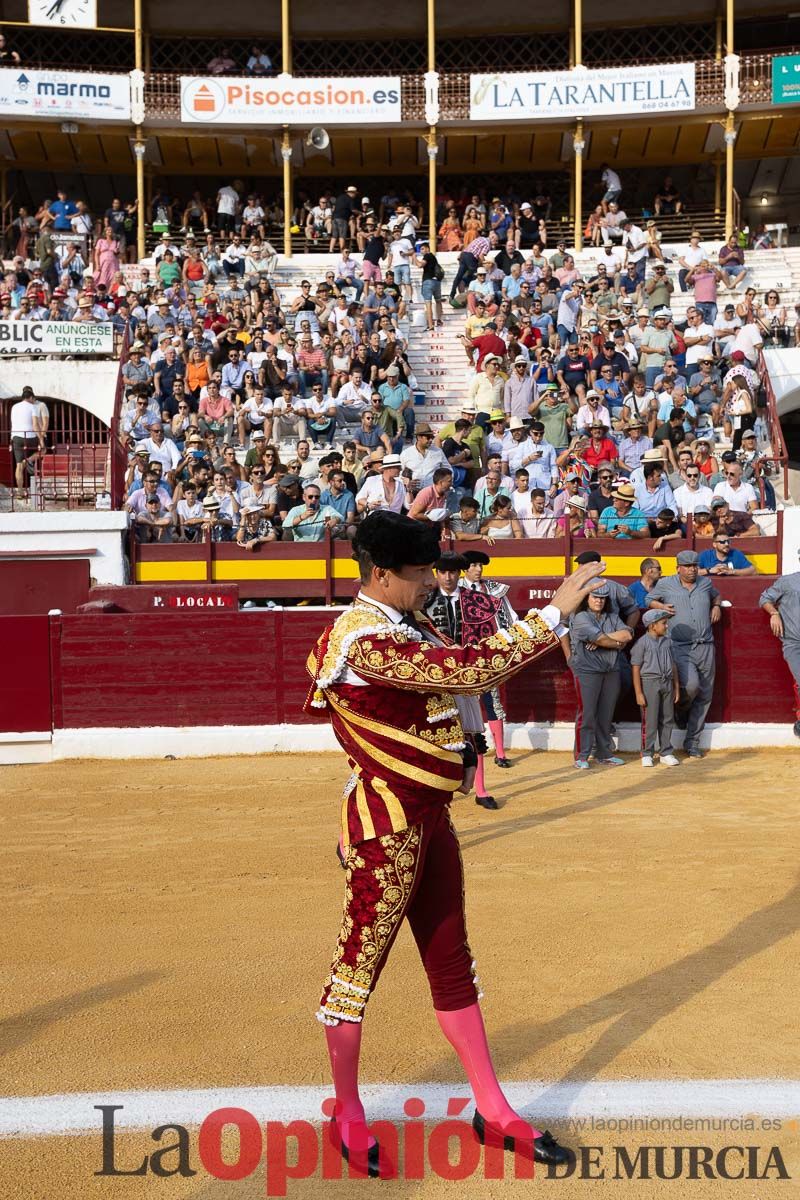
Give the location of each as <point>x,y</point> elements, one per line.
<point>289,101</point>
<point>581,92</point>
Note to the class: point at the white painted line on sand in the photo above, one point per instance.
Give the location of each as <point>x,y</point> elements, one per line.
<point>48,1116</point>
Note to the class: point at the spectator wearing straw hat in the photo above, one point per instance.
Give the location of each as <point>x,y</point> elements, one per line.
<point>255,529</point>
<point>622,519</point>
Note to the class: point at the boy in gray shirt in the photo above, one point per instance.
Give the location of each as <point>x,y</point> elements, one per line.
<point>657,688</point>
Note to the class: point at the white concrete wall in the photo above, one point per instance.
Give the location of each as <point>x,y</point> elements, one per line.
<point>784,373</point>
<point>205,741</point>
<point>89,384</point>
<point>791,540</point>
<point>102,531</point>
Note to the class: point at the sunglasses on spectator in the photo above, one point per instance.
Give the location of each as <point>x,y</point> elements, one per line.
<point>258,472</point>
<point>692,474</point>
<point>723,541</point>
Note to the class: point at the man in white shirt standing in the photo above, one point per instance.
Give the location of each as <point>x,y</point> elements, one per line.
<point>634,241</point>
<point>227,204</point>
<point>401,252</point>
<point>699,339</point>
<point>613,186</point>
<point>749,340</point>
<point>27,438</point>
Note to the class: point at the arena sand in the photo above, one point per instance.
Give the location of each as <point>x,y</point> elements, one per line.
<point>168,924</point>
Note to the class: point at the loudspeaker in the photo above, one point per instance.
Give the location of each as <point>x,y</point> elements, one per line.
<point>318,138</point>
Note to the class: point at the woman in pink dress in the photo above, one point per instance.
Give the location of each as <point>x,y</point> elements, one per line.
<point>106,257</point>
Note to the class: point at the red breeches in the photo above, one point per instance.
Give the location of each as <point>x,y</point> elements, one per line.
<point>417,874</point>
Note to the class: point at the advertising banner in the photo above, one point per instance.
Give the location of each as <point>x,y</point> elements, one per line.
<point>56,337</point>
<point>81,95</point>
<point>581,92</point>
<point>786,79</point>
<point>289,101</point>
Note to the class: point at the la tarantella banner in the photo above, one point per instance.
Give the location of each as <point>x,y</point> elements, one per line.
<point>85,95</point>
<point>582,92</point>
<point>56,337</point>
<point>289,101</point>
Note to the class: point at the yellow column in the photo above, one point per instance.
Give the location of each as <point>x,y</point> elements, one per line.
<point>718,40</point>
<point>717,184</point>
<point>730,142</point>
<point>286,155</point>
<point>138,150</point>
<point>286,39</point>
<point>433,147</point>
<point>730,129</point>
<point>433,152</point>
<point>729,27</point>
<point>577,34</point>
<point>578,145</point>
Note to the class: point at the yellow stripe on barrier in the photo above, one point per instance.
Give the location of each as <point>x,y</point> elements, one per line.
<point>344,568</point>
<point>231,569</point>
<point>165,571</point>
<point>507,568</point>
<point>628,565</point>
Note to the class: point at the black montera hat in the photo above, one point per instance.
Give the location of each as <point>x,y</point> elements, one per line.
<point>477,556</point>
<point>392,540</point>
<point>451,562</point>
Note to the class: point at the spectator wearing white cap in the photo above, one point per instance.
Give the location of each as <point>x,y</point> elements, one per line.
<point>255,528</point>
<point>518,391</point>
<point>486,389</point>
<point>385,490</point>
<point>481,288</point>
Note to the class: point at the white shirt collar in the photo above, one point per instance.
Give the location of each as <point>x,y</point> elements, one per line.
<point>392,613</point>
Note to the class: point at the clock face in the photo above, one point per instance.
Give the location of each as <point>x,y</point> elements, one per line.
<point>63,14</point>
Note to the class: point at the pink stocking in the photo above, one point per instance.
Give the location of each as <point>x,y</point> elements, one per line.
<point>496,728</point>
<point>480,782</point>
<point>465,1031</point>
<point>344,1048</point>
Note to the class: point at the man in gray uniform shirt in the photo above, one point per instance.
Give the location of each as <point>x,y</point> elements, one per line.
<point>694,603</point>
<point>782,601</point>
<point>621,602</point>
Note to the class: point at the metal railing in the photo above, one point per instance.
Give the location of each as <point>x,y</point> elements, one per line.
<point>84,458</point>
<point>117,452</point>
<point>162,89</point>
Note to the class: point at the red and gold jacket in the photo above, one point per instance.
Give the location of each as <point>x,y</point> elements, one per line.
<point>401,732</point>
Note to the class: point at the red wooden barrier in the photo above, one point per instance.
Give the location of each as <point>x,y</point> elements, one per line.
<point>248,668</point>
<point>25,678</point>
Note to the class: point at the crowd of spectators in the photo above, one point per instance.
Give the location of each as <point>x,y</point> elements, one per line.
<point>589,408</point>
